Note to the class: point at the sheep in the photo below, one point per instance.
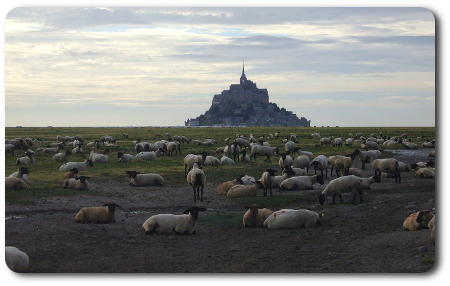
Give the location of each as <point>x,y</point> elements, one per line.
<point>320,162</point>
<point>100,151</point>
<point>342,184</point>
<point>9,148</point>
<point>81,166</point>
<point>291,219</point>
<point>98,158</point>
<point>301,182</point>
<point>364,156</point>
<point>315,135</point>
<point>16,260</point>
<point>388,165</point>
<point>424,173</point>
<point>343,163</point>
<point>21,173</point>
<point>144,180</point>
<point>61,156</point>
<point>149,156</point>
<point>326,141</point>
<point>15,183</point>
<point>285,161</point>
<point>211,161</point>
<point>125,157</point>
<point>223,188</point>
<point>291,172</point>
<point>105,214</point>
<point>277,180</point>
<point>255,215</point>
<point>432,226</point>
<point>266,180</point>
<point>77,183</point>
<point>366,182</point>
<point>173,147</point>
<point>71,174</point>
<point>417,221</point>
<point>264,151</point>
<point>289,147</point>
<point>371,145</point>
<point>124,135</point>
<point>409,145</point>
<point>232,150</point>
<point>428,144</point>
<point>402,167</point>
<point>301,161</point>
<point>306,153</point>
<point>53,150</point>
<point>349,142</point>
<point>220,150</point>
<point>242,142</point>
<point>184,139</point>
<point>190,159</point>
<point>239,191</point>
<point>197,179</point>
<point>27,160</point>
<point>173,224</point>
<point>77,150</point>
<point>352,171</point>
<point>431,154</point>
<point>244,157</point>
<point>338,142</point>
<point>227,161</point>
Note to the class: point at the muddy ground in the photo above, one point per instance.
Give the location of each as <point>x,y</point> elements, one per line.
<point>361,238</point>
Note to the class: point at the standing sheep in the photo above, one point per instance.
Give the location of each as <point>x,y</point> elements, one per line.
<point>264,151</point>
<point>386,166</point>
<point>340,185</point>
<point>197,179</point>
<point>173,224</point>
<point>301,161</point>
<point>320,163</point>
<point>255,216</point>
<point>105,214</point>
<point>266,180</point>
<point>190,159</point>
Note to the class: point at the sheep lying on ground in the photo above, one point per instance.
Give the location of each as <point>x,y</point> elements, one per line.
<point>98,158</point>
<point>22,173</point>
<point>16,260</point>
<point>340,185</point>
<point>424,173</point>
<point>105,214</point>
<point>301,182</point>
<point>125,157</point>
<point>28,160</point>
<point>211,161</point>
<point>244,157</point>
<point>432,226</point>
<point>61,156</point>
<point>71,174</point>
<point>227,161</point>
<point>197,179</point>
<point>239,191</point>
<point>292,172</point>
<point>81,166</point>
<point>366,182</point>
<point>418,220</point>
<point>15,183</point>
<point>255,216</point>
<point>149,156</point>
<point>291,219</point>
<point>77,183</point>
<point>173,224</point>
<point>223,188</point>
<point>145,180</point>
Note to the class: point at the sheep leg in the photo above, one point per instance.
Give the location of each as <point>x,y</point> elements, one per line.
<point>195,198</point>
<point>202,195</point>
<point>334,199</point>
<point>340,198</point>
<point>265,192</point>
<point>270,191</point>
<point>360,195</point>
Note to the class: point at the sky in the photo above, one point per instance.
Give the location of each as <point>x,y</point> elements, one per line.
<point>160,66</point>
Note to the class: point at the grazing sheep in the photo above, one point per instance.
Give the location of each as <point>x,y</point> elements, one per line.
<point>266,180</point>
<point>191,159</point>
<point>173,147</point>
<point>125,157</point>
<point>291,219</point>
<point>366,182</point>
<point>27,160</point>
<point>81,166</point>
<point>124,135</point>
<point>223,188</point>
<point>320,163</point>
<point>105,214</point>
<point>144,180</point>
<point>239,191</point>
<point>301,161</point>
<point>432,226</point>
<point>418,220</point>
<point>77,183</point>
<point>61,156</point>
<point>15,183</point>
<point>264,151</point>
<point>16,260</point>
<point>285,161</point>
<point>326,141</point>
<point>197,179</point>
<point>349,142</point>
<point>301,182</point>
<point>289,147</point>
<point>370,145</point>
<point>71,174</point>
<point>173,224</point>
<point>343,163</point>
<point>211,161</point>
<point>227,161</point>
<point>21,173</point>
<point>255,216</point>
<point>364,156</point>
<point>98,158</point>
<point>338,142</point>
<point>9,148</point>
<point>387,166</point>
<point>342,185</point>
<point>242,142</point>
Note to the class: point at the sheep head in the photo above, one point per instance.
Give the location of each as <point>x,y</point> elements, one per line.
<point>111,206</point>
<point>194,211</point>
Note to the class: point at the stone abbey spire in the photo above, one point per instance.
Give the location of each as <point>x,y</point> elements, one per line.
<point>243,77</point>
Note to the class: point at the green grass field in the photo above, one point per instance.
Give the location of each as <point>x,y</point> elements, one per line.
<point>46,180</point>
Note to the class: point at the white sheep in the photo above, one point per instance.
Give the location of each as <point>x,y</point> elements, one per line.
<point>27,160</point>
<point>9,148</point>
<point>343,163</point>
<point>320,163</point>
<point>264,151</point>
<point>285,161</point>
<point>61,156</point>
<point>342,185</point>
<point>301,182</point>
<point>149,156</point>
<point>138,180</point>
<point>81,166</point>
<point>125,157</point>
<point>255,215</point>
<point>226,161</point>
<point>266,180</point>
<point>365,156</point>
<point>432,226</point>
<point>105,214</point>
<point>387,165</point>
<point>326,141</point>
<point>15,183</point>
<point>291,219</point>
<point>22,173</point>
<point>240,191</point>
<point>244,157</point>
<point>77,183</point>
<point>16,260</point>
<point>306,153</point>
<point>98,158</point>
<point>424,173</point>
<point>291,172</point>
<point>223,188</point>
<point>173,224</point>
<point>290,147</point>
<point>71,174</point>
<point>197,179</point>
<point>366,182</point>
<point>417,221</point>
<point>173,146</point>
<point>301,161</point>
<point>190,159</point>
<point>338,142</point>
<point>211,161</point>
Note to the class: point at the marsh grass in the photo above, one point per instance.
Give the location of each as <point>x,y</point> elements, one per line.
<point>45,179</point>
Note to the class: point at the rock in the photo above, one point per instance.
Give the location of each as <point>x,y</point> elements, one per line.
<point>423,249</point>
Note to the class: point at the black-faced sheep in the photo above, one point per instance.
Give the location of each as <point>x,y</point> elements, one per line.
<point>223,188</point>
<point>22,173</point>
<point>81,166</point>
<point>105,214</point>
<point>27,160</point>
<point>77,183</point>
<point>340,185</point>
<point>197,179</point>
<point>239,191</point>
<point>266,180</point>
<point>255,215</point>
<point>388,165</point>
<point>190,159</point>
<point>366,182</point>
<point>125,157</point>
<point>61,156</point>
<point>301,182</point>
<point>320,163</point>
<point>145,180</point>
<point>418,220</point>
<point>15,183</point>
<point>71,174</point>
<point>264,151</point>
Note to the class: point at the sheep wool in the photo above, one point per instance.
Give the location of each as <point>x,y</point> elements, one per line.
<point>340,185</point>
<point>16,260</point>
<point>15,183</point>
<point>291,219</point>
<point>105,214</point>
<point>255,215</point>
<point>418,220</point>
